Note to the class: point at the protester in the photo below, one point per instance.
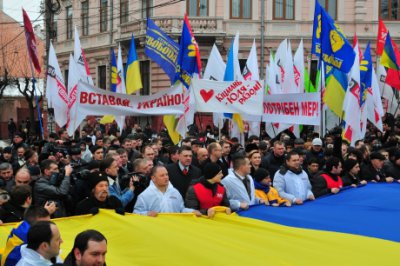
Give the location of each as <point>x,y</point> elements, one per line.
<point>351,173</point>
<point>274,160</point>
<point>208,192</point>
<point>329,181</point>
<point>372,171</point>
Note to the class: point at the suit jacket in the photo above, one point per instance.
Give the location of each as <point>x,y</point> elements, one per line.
<point>180,181</point>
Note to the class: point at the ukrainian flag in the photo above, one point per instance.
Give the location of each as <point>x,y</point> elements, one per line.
<point>335,91</point>
<point>170,122</point>
<point>133,79</point>
<point>108,119</point>
<point>388,58</point>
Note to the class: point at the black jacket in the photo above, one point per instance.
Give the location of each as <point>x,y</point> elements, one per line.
<point>180,181</point>
<point>87,205</point>
<point>272,163</point>
<point>10,213</point>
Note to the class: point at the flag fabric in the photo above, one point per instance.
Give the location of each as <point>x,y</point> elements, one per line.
<point>284,61</point>
<point>374,103</point>
<point>388,58</point>
<point>12,251</point>
<point>380,40</point>
<point>351,105</point>
<point>81,62</point>
<point>74,117</point>
<point>161,49</point>
<point>366,83</point>
<point>120,86</point>
<point>385,90</point>
<point>56,91</point>
<point>298,63</point>
<point>308,86</point>
<point>108,119</point>
<point>189,61</point>
<point>273,77</point>
<point>170,122</point>
<point>133,78</point>
<point>335,91</point>
<point>31,42</point>
<point>329,42</point>
<point>393,75</point>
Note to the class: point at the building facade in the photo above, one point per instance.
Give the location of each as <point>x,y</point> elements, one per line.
<point>103,24</point>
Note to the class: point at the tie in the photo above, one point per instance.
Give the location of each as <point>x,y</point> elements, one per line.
<point>246,183</point>
<point>185,171</point>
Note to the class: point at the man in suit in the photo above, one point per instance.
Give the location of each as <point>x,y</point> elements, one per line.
<point>182,173</point>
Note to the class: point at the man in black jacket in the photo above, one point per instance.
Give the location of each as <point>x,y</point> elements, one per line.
<point>328,181</point>
<point>182,173</point>
<point>274,160</point>
<point>372,171</point>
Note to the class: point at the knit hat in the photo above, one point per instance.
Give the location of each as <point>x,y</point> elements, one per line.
<point>7,149</point>
<point>349,164</point>
<point>260,174</point>
<point>210,170</point>
<point>317,142</point>
<point>377,155</point>
<point>95,178</point>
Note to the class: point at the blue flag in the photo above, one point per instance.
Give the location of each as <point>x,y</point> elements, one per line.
<point>365,74</point>
<point>189,61</point>
<point>161,49</point>
<point>329,42</point>
<point>229,70</point>
<point>114,72</point>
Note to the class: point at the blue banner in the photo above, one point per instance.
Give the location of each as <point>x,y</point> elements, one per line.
<point>161,49</point>
<point>329,42</point>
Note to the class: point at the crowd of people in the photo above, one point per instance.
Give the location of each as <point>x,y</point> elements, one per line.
<point>139,173</point>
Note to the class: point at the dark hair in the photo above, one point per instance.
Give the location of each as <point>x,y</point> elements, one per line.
<point>184,148</point>
<point>144,147</point>
<point>94,148</point>
<point>106,163</point>
<point>252,138</point>
<point>238,161</point>
<point>155,168</point>
<point>28,154</point>
<point>82,240</point>
<point>173,150</point>
<point>33,213</point>
<point>212,146</point>
<point>331,162</point>
<point>121,151</point>
<point>313,160</point>
<point>45,165</point>
<point>38,233</point>
<point>19,194</point>
<point>289,155</point>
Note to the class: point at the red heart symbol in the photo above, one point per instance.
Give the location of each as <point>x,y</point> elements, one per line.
<point>206,94</point>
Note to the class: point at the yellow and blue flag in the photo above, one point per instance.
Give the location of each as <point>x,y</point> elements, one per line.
<point>161,49</point>
<point>114,72</point>
<point>388,58</point>
<point>189,61</point>
<point>365,74</point>
<point>335,91</point>
<point>133,79</point>
<point>329,42</point>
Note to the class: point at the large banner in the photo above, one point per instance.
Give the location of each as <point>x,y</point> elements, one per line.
<point>292,108</point>
<point>243,97</point>
<point>94,101</point>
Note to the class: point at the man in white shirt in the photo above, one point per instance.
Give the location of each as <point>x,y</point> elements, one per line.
<point>160,196</point>
<point>239,185</point>
<point>292,181</point>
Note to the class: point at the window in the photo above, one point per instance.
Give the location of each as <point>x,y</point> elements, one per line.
<point>102,77</point>
<point>241,9</point>
<point>66,78</point>
<point>145,74</point>
<point>389,9</point>
<point>330,6</point>
<point>103,15</point>
<point>68,11</point>
<point>85,18</point>
<point>147,8</point>
<point>284,9</point>
<point>54,28</point>
<point>197,8</point>
<point>124,11</point>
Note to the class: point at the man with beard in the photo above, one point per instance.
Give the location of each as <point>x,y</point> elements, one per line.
<point>292,182</point>
<point>99,197</point>
<point>90,248</point>
<point>328,181</point>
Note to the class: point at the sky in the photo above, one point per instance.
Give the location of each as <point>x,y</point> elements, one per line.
<point>13,9</point>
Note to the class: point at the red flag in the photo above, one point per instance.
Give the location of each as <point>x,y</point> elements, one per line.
<point>393,76</point>
<point>31,42</point>
<point>380,40</point>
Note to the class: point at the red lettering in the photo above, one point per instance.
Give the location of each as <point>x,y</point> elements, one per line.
<point>91,98</point>
<point>83,97</point>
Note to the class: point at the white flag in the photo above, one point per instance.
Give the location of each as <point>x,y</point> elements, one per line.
<point>284,61</point>
<point>386,90</point>
<point>120,86</point>
<point>351,106</point>
<point>374,103</point>
<point>298,62</point>
<point>56,92</point>
<point>215,68</point>
<point>80,60</point>
<point>236,65</point>
<point>272,77</point>
<point>75,117</point>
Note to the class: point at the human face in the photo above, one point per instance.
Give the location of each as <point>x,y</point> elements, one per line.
<point>294,161</point>
<point>53,248</point>
<point>195,148</point>
<point>155,149</point>
<point>94,255</point>
<point>226,149</point>
<point>22,178</point>
<point>217,178</point>
<point>6,174</point>
<point>377,164</point>
<point>337,170</point>
<point>20,152</point>
<point>149,153</point>
<point>185,158</point>
<point>266,181</point>
<point>246,167</point>
<point>150,166</point>
<point>161,178</point>
<point>255,159</point>
<point>317,148</point>
<point>386,154</point>
<point>124,158</point>
<point>7,156</point>
<point>279,150</point>
<point>127,145</point>
<point>98,155</point>
<point>344,149</point>
<point>217,151</point>
<point>113,169</point>
<point>202,155</point>
<point>355,170</point>
<point>174,157</point>
<point>99,142</point>
<point>17,139</point>
<point>101,191</point>
<point>313,168</point>
<point>34,159</point>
